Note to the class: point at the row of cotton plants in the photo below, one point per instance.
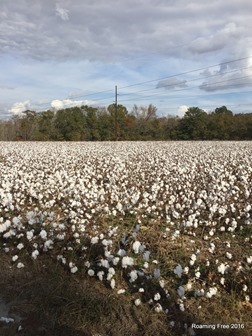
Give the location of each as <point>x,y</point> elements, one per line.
<point>95,206</point>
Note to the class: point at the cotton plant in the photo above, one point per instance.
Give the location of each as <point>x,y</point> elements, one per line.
<point>55,203</point>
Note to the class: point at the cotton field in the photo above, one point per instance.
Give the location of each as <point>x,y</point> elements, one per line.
<point>166,222</point>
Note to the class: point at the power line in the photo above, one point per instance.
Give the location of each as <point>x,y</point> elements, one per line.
<point>187,81</point>
<point>187,72</point>
<point>188,88</point>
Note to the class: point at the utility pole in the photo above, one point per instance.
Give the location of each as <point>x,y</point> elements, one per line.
<point>116,115</point>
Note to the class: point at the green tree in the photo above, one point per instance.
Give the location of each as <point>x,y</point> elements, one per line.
<point>193,126</point>
<point>118,117</point>
<point>70,124</point>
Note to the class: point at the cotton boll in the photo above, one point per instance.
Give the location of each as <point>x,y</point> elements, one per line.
<point>29,235</point>
<point>74,269</point>
<point>212,291</point>
<point>136,246</point>
<point>112,283</point>
<point>14,258</point>
<point>91,272</point>
<point>146,256</point>
<point>94,240</point>
<point>229,255</point>
<point>181,291</point>
<point>116,260</point>
<point>35,254</point>
<point>249,260</point>
<point>178,270</point>
<point>121,291</point>
<point>20,265</point>
<point>121,253</point>
<point>197,275</point>
<point>146,265</point>
<point>157,297</point>
<point>133,275</point>
<point>182,307</point>
<point>20,246</point>
<point>127,261</point>
<point>158,308</point>
<point>43,234</point>
<point>100,275</point>
<point>222,268</point>
<point>137,302</point>
<point>87,264</point>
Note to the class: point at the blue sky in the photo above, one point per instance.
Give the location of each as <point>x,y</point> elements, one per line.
<point>56,54</point>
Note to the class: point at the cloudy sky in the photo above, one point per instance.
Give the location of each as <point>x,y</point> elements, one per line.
<point>170,53</point>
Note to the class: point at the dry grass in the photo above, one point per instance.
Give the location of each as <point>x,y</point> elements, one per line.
<point>53,302</point>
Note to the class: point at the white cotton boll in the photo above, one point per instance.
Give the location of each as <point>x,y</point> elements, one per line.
<point>158,308</point>
<point>181,291</point>
<point>197,275</point>
<point>127,261</point>
<point>137,302</point>
<point>222,281</point>
<point>249,260</point>
<point>222,268</point>
<point>100,275</point>
<point>178,270</point>
<point>91,272</point>
<point>105,263</point>
<point>35,254</point>
<point>48,245</point>
<point>74,269</point>
<point>121,253</point>
<point>247,208</point>
<point>133,276</point>
<point>186,270</point>
<point>136,246</point>
<point>182,307</point>
<point>157,297</point>
<point>43,234</point>
<point>212,291</point>
<point>14,258</point>
<point>20,265</point>
<point>112,283</point>
<point>162,283</point>
<point>146,256</point>
<point>20,246</point>
<point>141,290</point>
<point>29,235</point>
<point>94,240</point>
<point>116,261</point>
<point>146,265</point>
<point>121,291</point>
<point>87,264</point>
<point>111,271</point>
<point>189,286</point>
<point>245,288</point>
<point>247,298</point>
<point>229,255</point>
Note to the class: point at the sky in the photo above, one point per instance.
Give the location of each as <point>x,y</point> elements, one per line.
<point>173,54</point>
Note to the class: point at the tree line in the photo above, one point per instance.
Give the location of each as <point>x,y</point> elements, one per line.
<point>87,123</point>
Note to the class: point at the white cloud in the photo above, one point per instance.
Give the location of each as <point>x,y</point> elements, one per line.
<point>65,103</point>
<point>182,110</point>
<point>18,108</point>
<point>62,12</point>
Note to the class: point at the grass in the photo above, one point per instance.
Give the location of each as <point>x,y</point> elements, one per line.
<point>53,302</point>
